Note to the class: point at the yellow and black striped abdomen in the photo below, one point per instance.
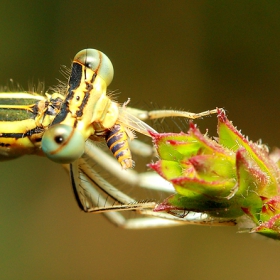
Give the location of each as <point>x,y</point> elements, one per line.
<point>117,141</point>
<point>21,118</point>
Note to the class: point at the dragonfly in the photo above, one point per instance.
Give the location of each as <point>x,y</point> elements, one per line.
<point>65,126</point>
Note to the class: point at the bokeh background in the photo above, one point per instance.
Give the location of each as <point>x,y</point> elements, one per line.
<point>192,55</point>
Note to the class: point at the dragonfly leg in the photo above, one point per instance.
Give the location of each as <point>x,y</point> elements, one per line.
<point>157,114</point>
<point>95,194</point>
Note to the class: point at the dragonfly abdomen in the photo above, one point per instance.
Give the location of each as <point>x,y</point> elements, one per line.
<point>117,142</point>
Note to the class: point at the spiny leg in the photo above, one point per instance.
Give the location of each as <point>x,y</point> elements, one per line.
<point>93,192</point>
<point>157,114</point>
<point>90,187</point>
<point>96,194</point>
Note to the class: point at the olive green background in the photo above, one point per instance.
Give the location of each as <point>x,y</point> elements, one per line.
<point>193,55</point>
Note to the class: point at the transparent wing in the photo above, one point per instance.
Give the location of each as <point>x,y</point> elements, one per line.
<point>101,193</point>
<point>134,123</point>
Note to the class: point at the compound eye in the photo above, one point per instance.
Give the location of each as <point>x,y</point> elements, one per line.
<point>97,62</point>
<point>63,144</point>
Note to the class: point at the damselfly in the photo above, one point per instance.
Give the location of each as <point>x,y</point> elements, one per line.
<point>64,125</point>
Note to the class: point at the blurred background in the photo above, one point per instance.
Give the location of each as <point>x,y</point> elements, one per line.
<point>192,55</point>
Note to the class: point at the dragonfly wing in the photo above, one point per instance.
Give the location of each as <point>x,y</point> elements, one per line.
<point>132,122</point>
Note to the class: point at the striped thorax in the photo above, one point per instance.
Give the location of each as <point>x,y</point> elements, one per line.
<point>87,112</point>
<point>58,125</point>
